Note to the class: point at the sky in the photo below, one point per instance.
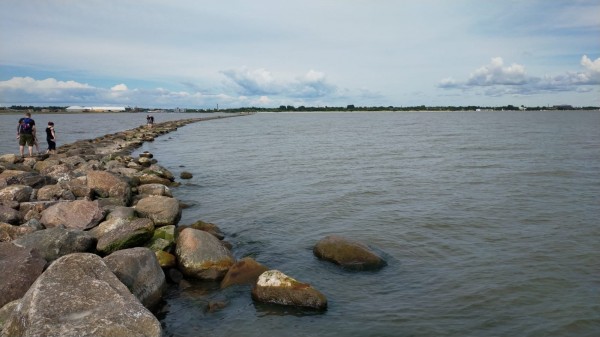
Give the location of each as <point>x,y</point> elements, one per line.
<point>267,53</point>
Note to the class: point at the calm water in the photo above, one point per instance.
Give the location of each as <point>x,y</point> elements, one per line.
<point>488,221</point>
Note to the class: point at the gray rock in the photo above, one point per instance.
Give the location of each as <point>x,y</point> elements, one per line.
<point>55,242</point>
<point>78,295</point>
<point>130,234</point>
<point>6,311</point>
<point>201,255</point>
<point>162,210</point>
<point>50,192</point>
<point>155,189</point>
<point>139,270</point>
<point>78,214</point>
<point>9,215</point>
<point>275,287</point>
<point>60,173</point>
<point>20,193</point>
<point>121,212</point>
<point>20,267</point>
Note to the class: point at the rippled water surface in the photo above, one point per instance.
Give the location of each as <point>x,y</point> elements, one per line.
<point>489,222</point>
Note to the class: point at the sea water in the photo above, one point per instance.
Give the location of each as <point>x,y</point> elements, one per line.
<point>488,221</point>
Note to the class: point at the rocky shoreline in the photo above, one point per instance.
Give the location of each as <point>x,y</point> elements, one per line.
<point>90,237</point>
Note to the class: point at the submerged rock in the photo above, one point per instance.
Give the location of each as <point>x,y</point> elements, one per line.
<point>245,271</point>
<point>347,253</point>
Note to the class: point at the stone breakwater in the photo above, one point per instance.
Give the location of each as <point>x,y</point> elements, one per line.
<point>90,237</point>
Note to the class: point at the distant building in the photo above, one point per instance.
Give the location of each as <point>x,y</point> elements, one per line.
<point>77,108</point>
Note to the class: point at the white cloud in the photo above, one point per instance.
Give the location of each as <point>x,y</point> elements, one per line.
<point>119,87</point>
<point>262,82</point>
<point>496,73</point>
<point>499,80</point>
<point>32,85</point>
<point>592,74</point>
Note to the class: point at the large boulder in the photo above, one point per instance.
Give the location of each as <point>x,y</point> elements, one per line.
<point>77,214</point>
<point>20,193</point>
<point>78,295</point>
<point>201,255</point>
<point>245,271</point>
<point>43,164</point>
<point>9,232</point>
<point>109,185</point>
<point>9,215</point>
<point>60,173</point>
<point>139,270</point>
<point>54,192</point>
<point>275,287</point>
<point>32,179</point>
<point>20,267</point>
<point>347,253</point>
<point>155,189</point>
<point>79,188</point>
<point>207,227</point>
<point>162,239</point>
<point>55,242</point>
<point>9,158</point>
<point>126,234</point>
<point>162,210</point>
<point>148,178</point>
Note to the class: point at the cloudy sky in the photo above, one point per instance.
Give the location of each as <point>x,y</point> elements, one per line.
<point>240,53</point>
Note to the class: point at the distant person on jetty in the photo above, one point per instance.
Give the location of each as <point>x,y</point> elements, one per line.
<point>51,138</point>
<point>26,134</point>
<point>150,120</point>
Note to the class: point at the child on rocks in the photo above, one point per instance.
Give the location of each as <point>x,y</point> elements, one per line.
<point>51,138</point>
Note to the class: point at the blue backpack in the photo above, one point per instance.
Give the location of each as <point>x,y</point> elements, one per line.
<point>26,125</point>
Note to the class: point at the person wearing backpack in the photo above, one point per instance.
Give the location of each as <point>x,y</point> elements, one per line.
<point>26,134</point>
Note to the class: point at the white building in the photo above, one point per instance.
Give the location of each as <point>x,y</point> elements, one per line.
<point>77,108</point>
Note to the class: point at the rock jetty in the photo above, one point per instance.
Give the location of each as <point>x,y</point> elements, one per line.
<point>90,236</point>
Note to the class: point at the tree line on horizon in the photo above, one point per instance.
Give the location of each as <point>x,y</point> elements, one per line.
<point>350,107</point>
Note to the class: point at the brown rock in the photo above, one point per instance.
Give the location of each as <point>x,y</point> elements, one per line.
<point>78,214</point>
<point>245,271</point>
<point>201,255</point>
<point>9,232</point>
<point>275,287</point>
<point>347,253</point>
<point>20,268</point>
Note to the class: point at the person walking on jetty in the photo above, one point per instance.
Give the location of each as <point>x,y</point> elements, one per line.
<point>150,120</point>
<point>51,138</point>
<point>26,134</point>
